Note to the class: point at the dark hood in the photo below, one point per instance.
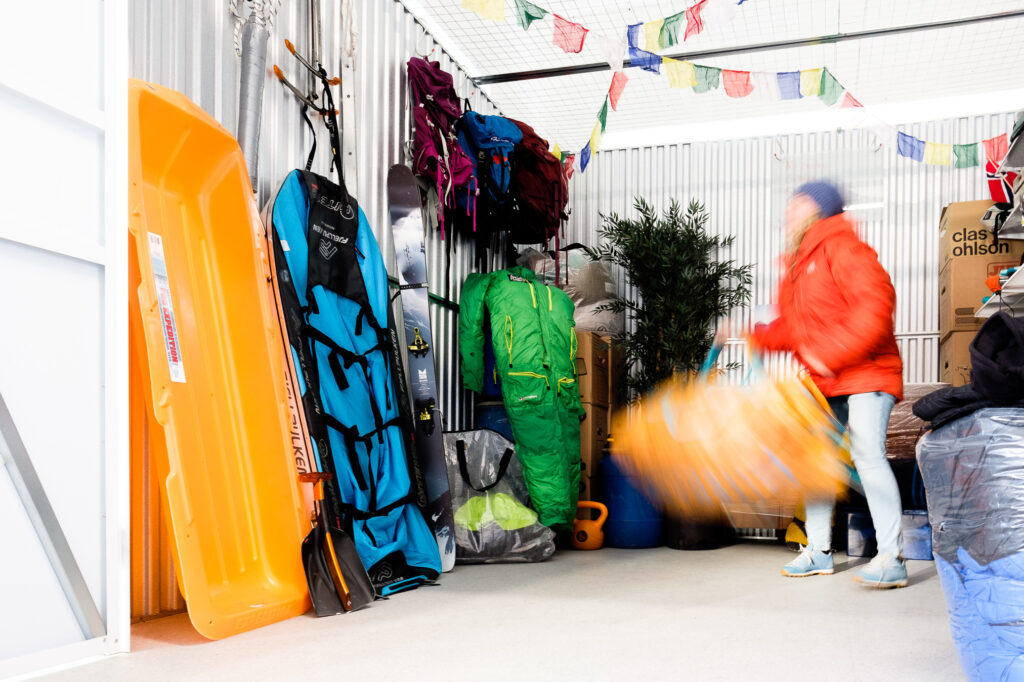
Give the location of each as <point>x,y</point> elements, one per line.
<point>997,359</point>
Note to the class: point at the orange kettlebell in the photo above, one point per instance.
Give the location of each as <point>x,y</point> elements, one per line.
<point>587,533</point>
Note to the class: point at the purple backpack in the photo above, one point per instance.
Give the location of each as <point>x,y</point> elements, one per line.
<point>437,155</point>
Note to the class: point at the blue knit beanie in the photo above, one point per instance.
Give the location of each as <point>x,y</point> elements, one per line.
<point>825,195</point>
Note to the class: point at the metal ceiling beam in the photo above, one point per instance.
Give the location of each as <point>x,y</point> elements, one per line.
<point>760,47</point>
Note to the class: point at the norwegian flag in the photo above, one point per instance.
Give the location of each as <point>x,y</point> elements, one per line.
<point>1000,184</point>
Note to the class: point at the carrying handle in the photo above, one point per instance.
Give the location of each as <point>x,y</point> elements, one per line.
<point>460,451</point>
<point>317,478</point>
<point>602,509</point>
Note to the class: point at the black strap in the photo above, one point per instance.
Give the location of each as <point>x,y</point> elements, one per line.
<point>357,514</point>
<point>352,436</point>
<point>339,373</point>
<point>312,131</point>
<point>460,451</point>
<point>347,356</point>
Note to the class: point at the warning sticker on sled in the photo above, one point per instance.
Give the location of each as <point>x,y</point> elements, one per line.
<point>163,298</point>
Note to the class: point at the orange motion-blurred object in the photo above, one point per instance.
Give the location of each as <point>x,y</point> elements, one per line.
<point>209,343</point>
<point>992,282</point>
<point>697,445</point>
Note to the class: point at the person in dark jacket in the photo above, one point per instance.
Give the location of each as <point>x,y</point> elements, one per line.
<point>836,305</point>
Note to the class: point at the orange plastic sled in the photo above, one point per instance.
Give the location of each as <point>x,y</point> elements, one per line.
<point>211,345</point>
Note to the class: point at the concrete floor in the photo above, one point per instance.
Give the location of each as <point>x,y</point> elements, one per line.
<point>656,614</point>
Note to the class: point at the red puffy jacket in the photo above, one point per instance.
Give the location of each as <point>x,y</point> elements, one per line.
<point>837,301</point>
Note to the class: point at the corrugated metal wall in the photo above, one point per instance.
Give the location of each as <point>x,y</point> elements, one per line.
<point>187,45</point>
<point>745,183</point>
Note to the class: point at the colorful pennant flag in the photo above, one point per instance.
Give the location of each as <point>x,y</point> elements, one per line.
<point>789,84</point>
<point>568,35</point>
<point>595,137</point>
<point>996,148</point>
<point>584,157</point>
<point>810,82</point>
<point>633,35</point>
<point>737,83</point>
<point>568,165</point>
<point>831,88</point>
<point>708,78</point>
<point>648,61</point>
<point>849,101</point>
<point>936,154</point>
<point>527,13</point>
<point>694,22</point>
<point>680,73</point>
<point>652,35</point>
<point>557,152</point>
<point>619,81</point>
<point>909,146</point>
<point>670,28</point>
<point>966,155</point>
<point>602,116</point>
<point>488,9</point>
<point>884,134</point>
<point>613,51</point>
<point>766,85</point>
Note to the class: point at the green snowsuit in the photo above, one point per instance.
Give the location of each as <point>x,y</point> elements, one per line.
<point>534,341</point>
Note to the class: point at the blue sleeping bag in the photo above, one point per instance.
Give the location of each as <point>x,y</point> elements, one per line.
<point>986,614</point>
<point>333,289</point>
<point>973,471</point>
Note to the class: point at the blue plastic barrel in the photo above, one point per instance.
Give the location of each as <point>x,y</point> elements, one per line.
<point>492,415</point>
<point>633,522</point>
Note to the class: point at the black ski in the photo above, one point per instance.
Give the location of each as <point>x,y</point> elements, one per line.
<point>410,252</point>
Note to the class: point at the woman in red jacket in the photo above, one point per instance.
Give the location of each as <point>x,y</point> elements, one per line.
<point>836,307</point>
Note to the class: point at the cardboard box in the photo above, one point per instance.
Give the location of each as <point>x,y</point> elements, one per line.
<point>592,368</point>
<point>955,358</point>
<point>587,491</point>
<point>914,527</point>
<point>593,436</point>
<point>759,514</point>
<point>962,235</point>
<point>616,375</point>
<point>962,287</point>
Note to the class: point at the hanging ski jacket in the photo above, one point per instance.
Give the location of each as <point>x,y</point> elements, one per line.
<point>534,342</point>
<point>836,301</point>
<point>333,291</point>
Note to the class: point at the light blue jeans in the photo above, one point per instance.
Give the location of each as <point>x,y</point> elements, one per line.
<point>867,417</point>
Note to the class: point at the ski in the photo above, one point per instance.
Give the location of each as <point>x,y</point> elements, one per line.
<point>410,253</point>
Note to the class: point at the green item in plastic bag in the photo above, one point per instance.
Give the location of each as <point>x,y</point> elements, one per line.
<point>500,508</point>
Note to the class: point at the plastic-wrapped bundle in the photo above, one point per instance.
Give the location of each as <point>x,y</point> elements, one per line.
<point>697,445</point>
<point>493,522</point>
<point>590,286</point>
<point>973,470</point>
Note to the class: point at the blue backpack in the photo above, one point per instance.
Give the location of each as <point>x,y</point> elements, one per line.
<point>490,140</point>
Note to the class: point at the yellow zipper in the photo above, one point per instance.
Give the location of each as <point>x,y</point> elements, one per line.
<point>573,348</point>
<point>549,299</point>
<point>564,380</point>
<point>508,337</point>
<point>533,295</point>
<point>531,374</point>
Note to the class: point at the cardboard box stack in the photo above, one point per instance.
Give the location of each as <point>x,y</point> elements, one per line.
<point>592,374</point>
<point>967,257</point>
<point>599,368</point>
